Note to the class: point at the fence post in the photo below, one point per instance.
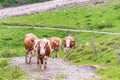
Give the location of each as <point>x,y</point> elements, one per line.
<point>78,40</point>
<point>117,52</point>
<point>92,44</point>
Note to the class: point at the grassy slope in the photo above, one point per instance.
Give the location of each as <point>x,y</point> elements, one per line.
<point>105,57</point>
<point>91,17</point>
<point>12,38</point>
<point>12,44</point>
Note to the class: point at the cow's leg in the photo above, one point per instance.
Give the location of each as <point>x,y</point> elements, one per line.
<point>26,58</point>
<point>58,53</point>
<point>38,60</point>
<point>45,61</point>
<point>30,56</point>
<point>26,55</point>
<point>42,65</point>
<point>64,51</point>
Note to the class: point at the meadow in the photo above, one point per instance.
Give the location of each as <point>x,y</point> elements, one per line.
<point>12,45</point>
<point>12,38</point>
<point>104,59</point>
<point>90,17</point>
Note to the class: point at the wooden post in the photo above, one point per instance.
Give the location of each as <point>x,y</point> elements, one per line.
<point>117,52</point>
<point>78,40</point>
<point>92,44</point>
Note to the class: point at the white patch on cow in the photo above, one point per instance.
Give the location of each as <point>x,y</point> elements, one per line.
<point>42,46</point>
<point>68,43</point>
<point>42,67</point>
<point>50,46</point>
<point>35,44</point>
<point>56,42</point>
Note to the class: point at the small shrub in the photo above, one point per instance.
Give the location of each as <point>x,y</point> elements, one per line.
<point>59,77</point>
<point>88,20</point>
<point>117,7</point>
<point>7,38</point>
<point>3,63</point>
<point>87,16</point>
<point>74,12</point>
<point>88,23</point>
<point>77,23</point>
<point>8,72</point>
<point>6,53</point>
<point>105,25</point>
<point>118,18</point>
<point>16,72</point>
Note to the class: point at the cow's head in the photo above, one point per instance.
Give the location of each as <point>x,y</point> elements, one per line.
<point>43,43</point>
<point>67,44</point>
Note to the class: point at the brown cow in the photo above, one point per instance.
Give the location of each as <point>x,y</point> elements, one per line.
<point>69,42</point>
<point>29,46</point>
<point>56,44</point>
<point>44,50</point>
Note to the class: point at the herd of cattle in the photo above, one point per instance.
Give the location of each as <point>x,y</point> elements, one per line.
<point>44,47</point>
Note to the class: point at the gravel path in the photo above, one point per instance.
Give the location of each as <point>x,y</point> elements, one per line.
<point>57,70</point>
<point>38,7</point>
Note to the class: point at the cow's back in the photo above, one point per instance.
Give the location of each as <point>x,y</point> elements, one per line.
<point>29,41</point>
<point>56,42</point>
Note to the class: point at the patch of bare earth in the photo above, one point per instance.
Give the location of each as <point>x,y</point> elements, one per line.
<point>57,70</point>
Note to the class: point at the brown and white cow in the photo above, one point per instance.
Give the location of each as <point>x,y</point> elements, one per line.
<point>69,43</point>
<point>29,46</point>
<point>56,44</point>
<point>44,50</point>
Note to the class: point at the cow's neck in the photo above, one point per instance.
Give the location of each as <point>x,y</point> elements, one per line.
<point>51,46</point>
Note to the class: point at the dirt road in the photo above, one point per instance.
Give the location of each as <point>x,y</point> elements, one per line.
<point>38,7</point>
<point>57,70</point>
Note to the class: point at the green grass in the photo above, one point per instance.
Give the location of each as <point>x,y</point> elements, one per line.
<point>8,72</point>
<point>60,77</point>
<point>12,38</point>
<point>105,56</point>
<point>91,17</point>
